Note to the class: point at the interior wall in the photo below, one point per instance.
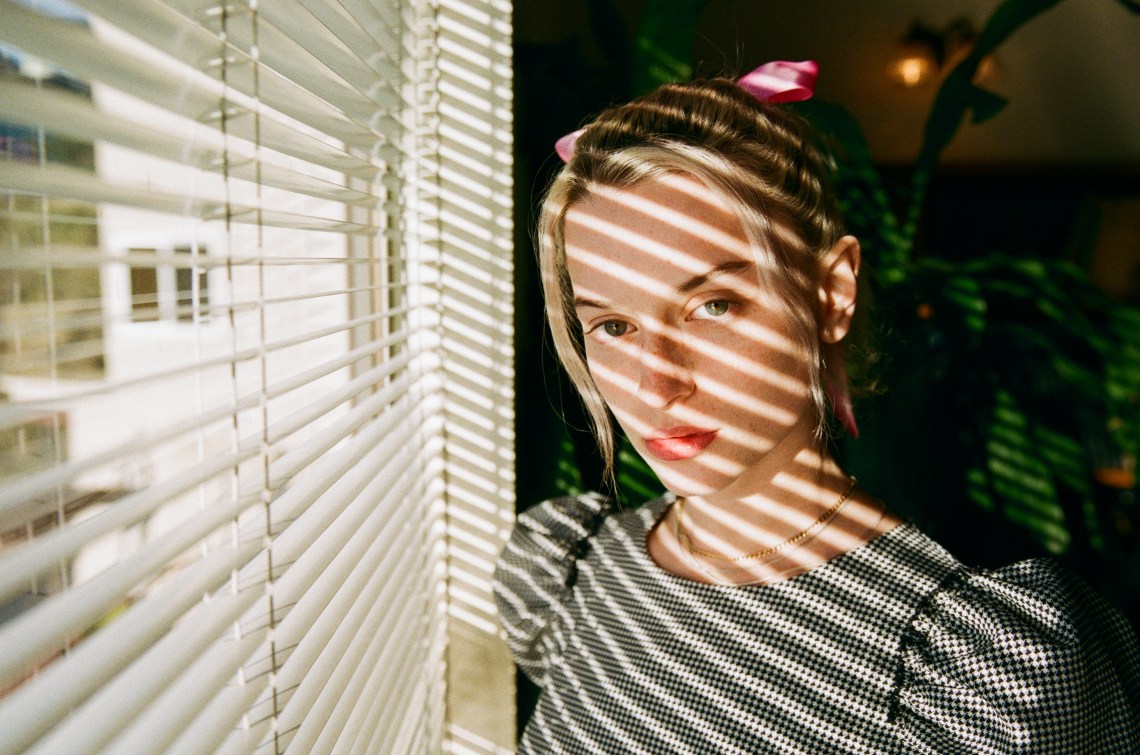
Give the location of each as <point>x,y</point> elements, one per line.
<point>1069,74</point>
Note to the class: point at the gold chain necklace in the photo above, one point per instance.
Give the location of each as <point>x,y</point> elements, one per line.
<point>824,519</point>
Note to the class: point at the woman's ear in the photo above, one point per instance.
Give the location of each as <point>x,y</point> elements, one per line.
<point>839,275</point>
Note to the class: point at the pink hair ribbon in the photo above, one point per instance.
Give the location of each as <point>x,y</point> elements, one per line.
<point>781,81</point>
<point>565,146</point>
<point>775,82</point>
<point>839,394</point>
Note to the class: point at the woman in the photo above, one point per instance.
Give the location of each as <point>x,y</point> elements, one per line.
<point>699,288</point>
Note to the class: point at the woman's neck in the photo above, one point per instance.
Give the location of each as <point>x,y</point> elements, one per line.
<point>791,512</point>
<point>798,465</point>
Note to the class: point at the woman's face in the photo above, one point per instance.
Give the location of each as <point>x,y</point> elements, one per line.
<point>697,363</point>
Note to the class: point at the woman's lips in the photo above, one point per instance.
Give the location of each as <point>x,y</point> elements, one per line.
<point>677,443</point>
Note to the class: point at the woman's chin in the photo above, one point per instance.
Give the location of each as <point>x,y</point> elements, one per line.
<point>688,486</point>
<point>700,475</point>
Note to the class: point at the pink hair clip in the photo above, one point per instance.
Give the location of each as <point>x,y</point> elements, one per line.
<point>777,81</point>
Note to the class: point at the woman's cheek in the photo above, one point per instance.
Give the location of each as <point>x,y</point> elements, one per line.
<point>613,377</point>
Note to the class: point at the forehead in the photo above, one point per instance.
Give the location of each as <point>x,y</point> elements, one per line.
<point>655,234</point>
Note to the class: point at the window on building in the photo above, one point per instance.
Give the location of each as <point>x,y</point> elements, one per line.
<point>174,289</point>
<point>50,317</point>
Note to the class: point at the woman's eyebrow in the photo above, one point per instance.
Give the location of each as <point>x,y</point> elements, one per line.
<point>736,267</point>
<point>581,302</point>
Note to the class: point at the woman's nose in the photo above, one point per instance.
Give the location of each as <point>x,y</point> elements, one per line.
<point>665,375</point>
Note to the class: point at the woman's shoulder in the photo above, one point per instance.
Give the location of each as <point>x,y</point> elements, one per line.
<point>1026,658</point>
<point>581,515</point>
<point>568,517</point>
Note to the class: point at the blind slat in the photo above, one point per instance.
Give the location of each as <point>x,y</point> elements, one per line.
<point>169,712</point>
<point>10,416</point>
<point>23,492</point>
<point>71,257</point>
<point>228,322</point>
<point>300,49</point>
<point>181,40</point>
<point>199,97</point>
<point>34,707</point>
<point>25,320</point>
<point>67,114</point>
<point>327,716</point>
<point>295,79</point>
<point>81,733</point>
<point>214,724</point>
<point>288,552</point>
<point>359,26</point>
<point>322,646</point>
<point>399,661</point>
<point>20,567</point>
<point>381,659</point>
<point>396,676</point>
<point>112,705</point>
<point>74,183</point>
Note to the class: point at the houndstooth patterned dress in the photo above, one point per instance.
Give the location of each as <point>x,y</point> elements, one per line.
<point>894,647</point>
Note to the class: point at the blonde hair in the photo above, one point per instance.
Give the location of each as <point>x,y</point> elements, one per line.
<point>759,157</point>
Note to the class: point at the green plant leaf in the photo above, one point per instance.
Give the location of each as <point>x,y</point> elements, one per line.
<point>663,52</point>
<point>958,94</point>
<point>984,104</point>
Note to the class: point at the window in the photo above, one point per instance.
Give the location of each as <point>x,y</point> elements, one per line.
<point>25,291</point>
<point>256,432</point>
<point>170,287</point>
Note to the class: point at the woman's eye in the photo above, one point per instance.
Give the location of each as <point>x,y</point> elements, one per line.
<point>615,328</point>
<point>716,308</point>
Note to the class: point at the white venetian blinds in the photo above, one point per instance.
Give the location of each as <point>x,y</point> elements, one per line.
<point>227,407</point>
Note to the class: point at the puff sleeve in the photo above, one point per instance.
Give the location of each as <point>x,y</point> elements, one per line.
<point>538,568</point>
<point>1025,659</point>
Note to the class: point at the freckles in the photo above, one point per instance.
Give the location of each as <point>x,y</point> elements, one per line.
<point>615,387</point>
<point>611,386</point>
<point>612,366</point>
<point>761,336</point>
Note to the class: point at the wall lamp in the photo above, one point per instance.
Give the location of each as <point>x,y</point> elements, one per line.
<point>925,52</point>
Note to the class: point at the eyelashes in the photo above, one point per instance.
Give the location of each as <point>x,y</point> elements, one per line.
<point>614,328</point>
<point>713,309</point>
